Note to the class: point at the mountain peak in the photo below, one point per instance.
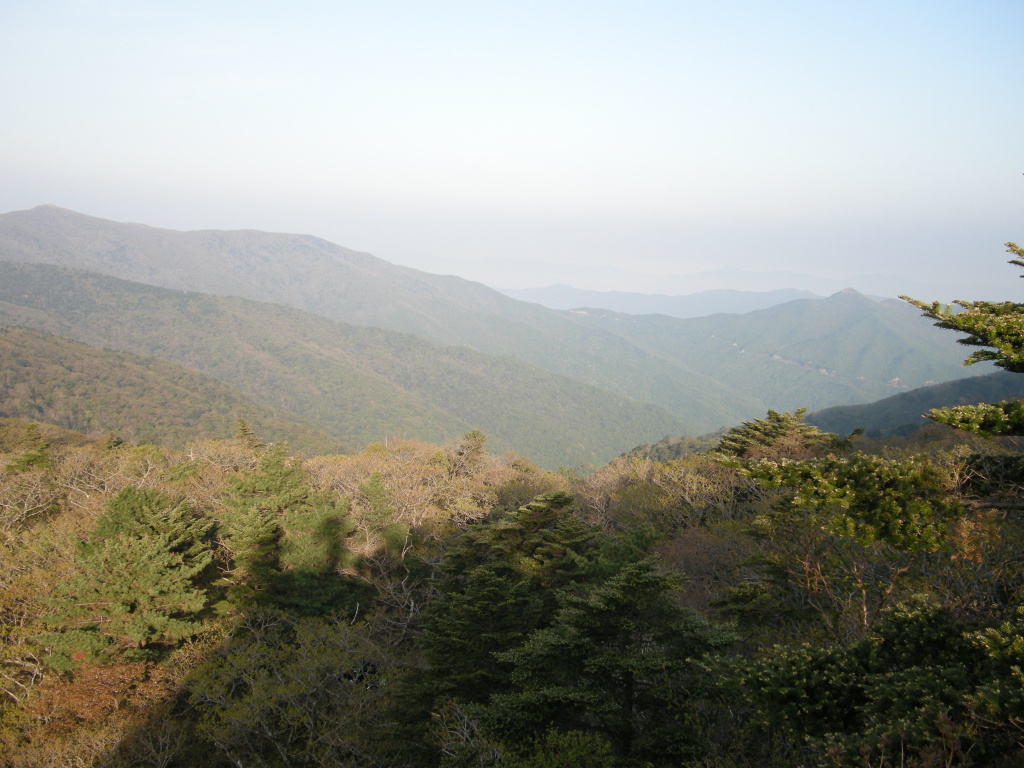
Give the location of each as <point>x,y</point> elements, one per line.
<point>850,295</point>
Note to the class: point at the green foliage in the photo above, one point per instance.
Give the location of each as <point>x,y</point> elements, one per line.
<point>136,580</point>
<point>999,701</point>
<point>997,327</point>
<point>985,419</point>
<point>903,502</point>
<point>498,584</point>
<point>923,686</point>
<point>567,749</point>
<point>35,451</point>
<point>282,692</point>
<point>246,436</point>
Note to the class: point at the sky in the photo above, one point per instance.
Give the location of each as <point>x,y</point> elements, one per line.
<point>645,145</point>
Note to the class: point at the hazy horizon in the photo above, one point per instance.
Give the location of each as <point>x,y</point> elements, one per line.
<point>630,146</point>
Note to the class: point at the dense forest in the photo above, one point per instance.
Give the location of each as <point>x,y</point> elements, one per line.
<point>785,599</point>
<point>774,596</point>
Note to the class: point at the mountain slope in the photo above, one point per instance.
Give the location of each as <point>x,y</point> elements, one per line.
<point>358,384</point>
<point>904,413</point>
<point>144,399</point>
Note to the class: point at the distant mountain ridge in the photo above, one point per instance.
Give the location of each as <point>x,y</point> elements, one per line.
<point>806,353</point>
<point>707,372</point>
<point>696,304</point>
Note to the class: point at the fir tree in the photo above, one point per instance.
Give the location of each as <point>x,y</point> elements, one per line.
<point>136,581</point>
<point>498,585</point>
<point>246,436</point>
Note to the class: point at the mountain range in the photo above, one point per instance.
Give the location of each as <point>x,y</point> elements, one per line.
<point>364,348</point>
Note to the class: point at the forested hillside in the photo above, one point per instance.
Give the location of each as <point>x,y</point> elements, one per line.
<point>421,605</point>
<point>133,398</point>
<point>357,384</point>
<point>326,279</point>
<point>708,372</point>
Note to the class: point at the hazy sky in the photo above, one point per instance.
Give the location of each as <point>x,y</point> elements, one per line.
<point>608,144</point>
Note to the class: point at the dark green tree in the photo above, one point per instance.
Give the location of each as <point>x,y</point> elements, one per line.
<point>136,584</point>
<point>498,584</point>
<point>621,662</point>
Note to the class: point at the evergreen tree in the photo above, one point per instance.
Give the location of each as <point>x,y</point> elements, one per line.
<point>780,434</point>
<point>246,436</point>
<point>499,584</point>
<point>287,542</point>
<point>619,662</point>
<point>136,581</point>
